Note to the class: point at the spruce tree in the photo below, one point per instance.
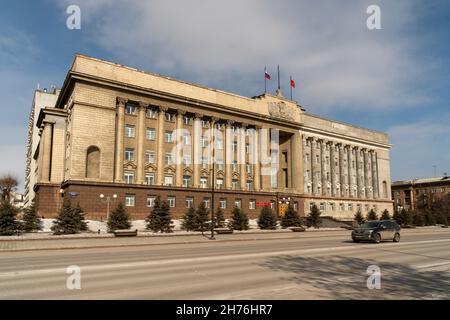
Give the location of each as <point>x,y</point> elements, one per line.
<point>239,220</point>
<point>291,218</point>
<point>418,219</point>
<point>202,215</point>
<point>69,220</point>
<point>119,219</point>
<point>429,218</point>
<point>407,217</point>
<point>385,215</point>
<point>359,218</point>
<point>219,219</point>
<point>159,218</point>
<point>31,220</point>
<point>267,219</point>
<point>8,222</point>
<point>189,222</point>
<point>313,218</point>
<point>398,217</point>
<point>372,215</point>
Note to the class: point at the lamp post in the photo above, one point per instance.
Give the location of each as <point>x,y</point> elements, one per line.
<point>107,200</point>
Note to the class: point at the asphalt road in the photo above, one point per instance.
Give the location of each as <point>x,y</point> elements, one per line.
<point>290,267</point>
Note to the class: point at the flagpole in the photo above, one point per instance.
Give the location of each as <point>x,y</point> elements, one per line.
<point>265,80</point>
<point>290,85</point>
<point>279,77</point>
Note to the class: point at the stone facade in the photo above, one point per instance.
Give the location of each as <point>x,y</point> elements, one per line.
<point>140,135</point>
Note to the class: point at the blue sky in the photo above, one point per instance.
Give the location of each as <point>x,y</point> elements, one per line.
<point>396,79</point>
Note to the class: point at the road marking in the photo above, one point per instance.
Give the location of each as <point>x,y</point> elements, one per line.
<point>103,267</point>
<point>432,265</point>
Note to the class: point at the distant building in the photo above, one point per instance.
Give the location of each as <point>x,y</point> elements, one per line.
<point>41,99</point>
<point>17,199</point>
<point>406,193</point>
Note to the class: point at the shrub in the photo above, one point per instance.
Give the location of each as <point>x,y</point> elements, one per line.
<point>189,222</point>
<point>291,218</point>
<point>70,220</point>
<point>239,220</point>
<point>313,219</point>
<point>31,220</point>
<point>159,219</point>
<point>119,219</point>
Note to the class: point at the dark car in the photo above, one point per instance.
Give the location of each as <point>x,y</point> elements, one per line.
<point>377,231</point>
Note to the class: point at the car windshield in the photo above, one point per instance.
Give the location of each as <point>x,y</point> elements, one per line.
<point>370,224</point>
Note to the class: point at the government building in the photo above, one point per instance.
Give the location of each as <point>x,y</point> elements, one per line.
<point>131,136</point>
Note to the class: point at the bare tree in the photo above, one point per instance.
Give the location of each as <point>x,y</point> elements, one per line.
<point>8,184</point>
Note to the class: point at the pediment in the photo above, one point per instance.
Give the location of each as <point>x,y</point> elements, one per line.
<point>169,169</point>
<point>129,166</point>
<point>150,167</point>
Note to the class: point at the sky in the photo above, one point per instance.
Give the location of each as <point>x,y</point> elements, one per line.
<point>395,79</point>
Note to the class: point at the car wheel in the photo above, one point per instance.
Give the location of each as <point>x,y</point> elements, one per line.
<point>397,237</point>
<point>377,238</point>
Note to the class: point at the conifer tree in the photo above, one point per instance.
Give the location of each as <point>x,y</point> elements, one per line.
<point>69,220</point>
<point>291,218</point>
<point>219,218</point>
<point>429,218</point>
<point>359,218</point>
<point>313,219</point>
<point>78,215</point>
<point>31,220</point>
<point>159,219</point>
<point>385,215</point>
<point>189,222</point>
<point>398,217</point>
<point>407,217</point>
<point>8,221</point>
<point>239,220</point>
<point>267,219</point>
<point>119,219</point>
<point>372,215</point>
<point>202,215</point>
<point>418,219</point>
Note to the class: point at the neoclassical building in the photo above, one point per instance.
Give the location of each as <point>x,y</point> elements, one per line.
<point>131,136</point>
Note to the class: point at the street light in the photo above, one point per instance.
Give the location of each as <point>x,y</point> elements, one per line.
<point>107,200</point>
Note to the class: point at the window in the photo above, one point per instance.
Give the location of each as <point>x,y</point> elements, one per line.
<point>129,200</point>
<point>207,203</point>
<point>219,126</point>
<point>273,177</point>
<point>130,131</point>
<point>204,123</point>
<point>151,201</point>
<point>367,208</point>
<point>168,159</point>
<point>332,207</point>
<point>219,144</point>
<point>151,113</point>
<point>248,168</point>
<point>129,177</point>
<point>129,154</point>
<point>186,160</point>
<point>285,157</point>
<point>187,120</point>
<point>295,206</point>
<point>341,207</point>
<point>189,202</point>
<point>322,206</point>
<point>93,162</point>
<point>219,164</point>
<point>130,109</point>
<point>169,116</point>
<point>223,203</point>
<point>235,165</point>
<point>274,156</point>
<point>203,183</point>
<point>252,204</point>
<point>149,179</point>
<point>234,184</point>
<point>238,203</point>
<point>169,136</point>
<point>234,146</point>
<point>186,139</point>
<point>204,162</point>
<point>249,185</point>
<point>311,205</point>
<point>150,134</point>
<point>187,181</point>
<point>247,148</point>
<point>150,156</point>
<point>219,183</point>
<point>272,204</point>
<point>350,207</point>
<point>204,141</point>
<point>171,202</point>
<point>168,180</point>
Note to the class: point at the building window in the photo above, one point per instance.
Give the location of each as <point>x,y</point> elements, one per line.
<point>350,207</point>
<point>93,162</point>
<point>238,203</point>
<point>341,207</point>
<point>234,146</point>
<point>187,120</point>
<point>219,183</point>
<point>223,203</point>
<point>169,136</point>
<point>219,144</point>
<point>273,178</point>
<point>186,160</point>
<point>219,164</point>
<point>367,208</point>
<point>272,204</point>
<point>189,202</point>
<point>171,202</point>
<point>234,184</point>
<point>322,206</point>
<point>151,113</point>
<point>129,177</point>
<point>204,162</point>
<point>130,131</point>
<point>204,141</point>
<point>151,201</point>
<point>247,148</point>
<point>249,185</point>
<point>332,207</point>
<point>129,154</point>
<point>295,206</point>
<point>207,203</point>
<point>187,181</point>
<point>168,180</point>
<point>248,168</point>
<point>252,204</point>
<point>151,135</point>
<point>150,156</point>
<point>311,205</point>
<point>129,200</point>
<point>235,166</point>
<point>149,179</point>
<point>169,116</point>
<point>204,123</point>
<point>168,159</point>
<point>130,109</point>
<point>186,138</point>
<point>203,183</point>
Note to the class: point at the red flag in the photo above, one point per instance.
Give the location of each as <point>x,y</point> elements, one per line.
<point>292,83</point>
<point>267,75</point>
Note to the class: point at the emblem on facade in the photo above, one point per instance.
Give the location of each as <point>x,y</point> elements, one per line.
<point>280,110</point>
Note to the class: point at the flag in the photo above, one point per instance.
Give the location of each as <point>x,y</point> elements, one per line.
<point>266,74</point>
<point>292,83</point>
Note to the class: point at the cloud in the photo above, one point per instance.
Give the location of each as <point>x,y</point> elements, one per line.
<point>326,45</point>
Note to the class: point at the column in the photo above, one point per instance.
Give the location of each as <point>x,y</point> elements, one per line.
<point>212,152</point>
<point>341,169</point>
<point>367,174</point>
<point>196,141</point>
<point>323,167</point>
<point>256,163</point>
<point>265,155</point>
<point>179,148</point>
<point>374,175</point>
<point>161,150</point>
<point>332,169</point>
<point>350,170</point>
<point>120,133</point>
<point>241,156</point>
<point>314,166</point>
<point>228,154</point>
<point>296,164</point>
<point>305,165</point>
<point>358,173</point>
<point>46,139</point>
<point>140,143</point>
